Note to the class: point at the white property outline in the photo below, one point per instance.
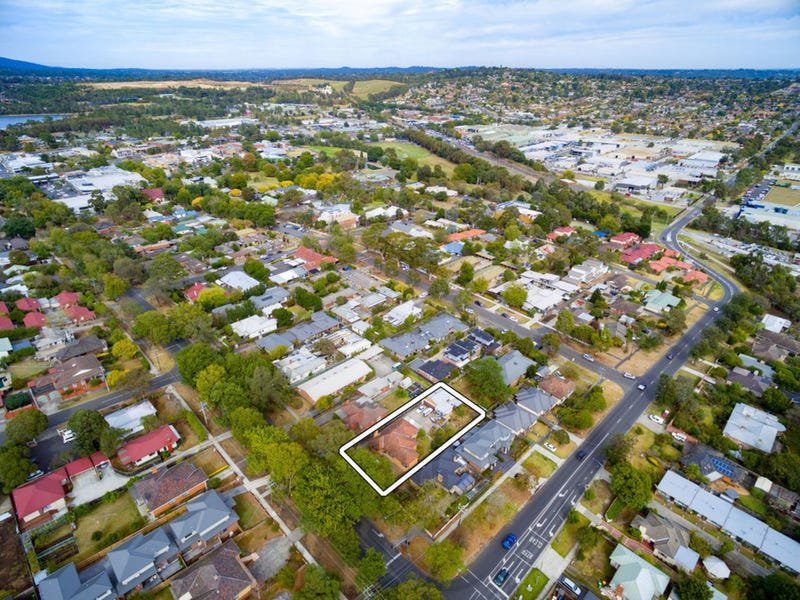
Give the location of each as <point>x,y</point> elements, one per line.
<point>391,417</point>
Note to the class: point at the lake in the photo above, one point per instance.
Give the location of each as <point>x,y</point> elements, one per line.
<point>8,120</point>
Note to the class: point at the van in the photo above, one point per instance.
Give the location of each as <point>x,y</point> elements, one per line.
<point>571,586</point>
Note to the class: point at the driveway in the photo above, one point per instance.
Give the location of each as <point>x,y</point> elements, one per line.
<point>88,487</point>
<point>273,555</point>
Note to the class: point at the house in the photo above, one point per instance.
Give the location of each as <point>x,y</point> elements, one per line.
<point>301,364</point>
<point>34,320</point>
<point>556,386</point>
<point>130,419</point>
<point>334,380</point>
<point>312,260</point>
<point>536,401</point>
<point>625,240</point>
<point>398,315</point>
<point>27,304</point>
<point>442,401</point>
<point>587,271</point>
<point>670,541</point>
<point>193,291</point>
<point>255,326</point>
<point>560,232</point>
<point>752,427</point>
<point>775,324</point>
<point>433,370</point>
<point>65,299</point>
<point>270,300</point>
<point>359,417</point>
<point>659,302</point>
<point>5,347</point>
<point>635,255</point>
<point>207,519</point>
<point>165,489</point>
<point>635,578</point>
<point>515,418</point>
<point>41,500</point>
<point>713,465</point>
<point>73,377</point>
<point>67,584</point>
<point>6,324</point>
<point>398,441</point>
<point>154,194</point>
<point>449,471</point>
<point>142,558</point>
<point>514,365</point>
<point>460,352</point>
<point>238,280</point>
<point>220,574</point>
<point>481,446</point>
<point>716,568</point>
<point>381,385</point>
<point>147,447</point>
<point>465,235</point>
<point>80,314</point>
<point>89,344</point>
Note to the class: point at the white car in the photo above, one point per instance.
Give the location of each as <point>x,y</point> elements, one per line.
<point>627,375</point>
<point>641,387</point>
<point>715,309</point>
<point>550,447</point>
<point>656,419</point>
<point>588,357</point>
<point>678,437</point>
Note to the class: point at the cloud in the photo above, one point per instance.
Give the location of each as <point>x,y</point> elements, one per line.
<point>331,33</point>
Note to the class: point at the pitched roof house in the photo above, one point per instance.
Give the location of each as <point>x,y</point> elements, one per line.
<point>66,299</point>
<point>207,517</point>
<point>514,365</point>
<point>220,574</point>
<point>559,387</point>
<point>193,291</point>
<point>359,417</point>
<point>147,447</point>
<point>635,579</point>
<point>80,314</point>
<point>27,304</point>
<point>398,441</point>
<point>34,319</point>
<point>312,260</point>
<point>66,584</point>
<point>167,488</point>
<point>481,446</point>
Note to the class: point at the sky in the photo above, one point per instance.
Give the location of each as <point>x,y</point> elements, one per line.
<point>238,34</point>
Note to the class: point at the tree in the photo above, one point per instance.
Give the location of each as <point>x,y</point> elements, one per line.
<point>485,377</point>
<point>551,343</point>
<point>88,426</point>
<point>565,322</point>
<point>284,316</point>
<point>244,419</point>
<point>619,449</point>
<point>413,589</point>
<point>26,426</point>
<point>775,585</point>
<point>445,559</point>
<point>560,437</point>
<point>193,359</point>
<point>465,273</point>
<point>631,486</point>
<point>114,286</point>
<point>693,587</point>
<point>675,321</point>
<point>14,466</point>
<point>154,327</point>
<point>164,272</point>
<point>370,568</point>
<point>190,321</point>
<point>440,287</point>
<point>308,300</point>
<point>318,584</point>
<point>268,387</point>
<point>19,226</point>
<point>124,349</point>
<point>515,295</point>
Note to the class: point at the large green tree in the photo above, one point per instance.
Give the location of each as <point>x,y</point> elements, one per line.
<point>26,426</point>
<point>318,584</point>
<point>631,486</point>
<point>14,466</point>
<point>515,295</point>
<point>485,377</point>
<point>445,559</point>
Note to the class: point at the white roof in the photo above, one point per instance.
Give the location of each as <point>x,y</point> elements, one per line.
<point>753,427</point>
<point>782,548</point>
<point>443,401</point>
<point>130,418</point>
<point>401,312</point>
<point>716,567</point>
<point>254,326</point>
<point>775,324</point>
<point>238,280</point>
<point>335,379</point>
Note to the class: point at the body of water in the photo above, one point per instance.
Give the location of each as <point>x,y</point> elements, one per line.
<point>8,120</point>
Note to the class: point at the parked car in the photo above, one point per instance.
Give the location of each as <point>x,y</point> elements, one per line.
<point>504,315</point>
<point>656,419</point>
<point>478,303</point>
<point>470,311</point>
<point>581,454</point>
<point>588,357</point>
<point>550,447</point>
<point>678,437</point>
<point>715,309</point>
<point>513,318</point>
<point>641,387</point>
<point>627,375</point>
<point>510,540</point>
<point>501,576</point>
<point>571,586</point>
<point>67,435</point>
<point>34,474</point>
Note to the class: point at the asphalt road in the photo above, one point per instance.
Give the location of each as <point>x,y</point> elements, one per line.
<point>543,515</point>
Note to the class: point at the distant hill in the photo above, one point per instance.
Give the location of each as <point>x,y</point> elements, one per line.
<point>688,73</point>
<point>10,67</point>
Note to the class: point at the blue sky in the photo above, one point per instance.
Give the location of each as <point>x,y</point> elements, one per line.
<point>223,34</point>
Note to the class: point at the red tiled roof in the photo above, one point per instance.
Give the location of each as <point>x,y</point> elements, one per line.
<point>360,417</point>
<point>65,299</point>
<point>465,235</point>
<point>78,466</point>
<point>193,291</point>
<point>98,458</point>
<point>641,252</point>
<point>34,319</point>
<point>27,304</point>
<point>560,232</point>
<point>154,193</point>
<point>697,276</point>
<point>80,313</point>
<point>163,437</point>
<point>3,308</point>
<point>556,386</point>
<point>6,324</point>
<point>39,493</point>
<point>399,440</point>
<point>312,258</point>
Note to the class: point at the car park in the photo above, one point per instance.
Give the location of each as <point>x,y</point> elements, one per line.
<point>509,541</point>
<point>627,375</point>
<point>501,576</point>
<point>588,357</point>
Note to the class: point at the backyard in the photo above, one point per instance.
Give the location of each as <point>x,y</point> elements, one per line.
<point>13,566</point>
<point>113,520</point>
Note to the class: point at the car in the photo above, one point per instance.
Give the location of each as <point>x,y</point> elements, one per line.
<point>588,357</point>
<point>678,437</point>
<point>670,356</point>
<point>627,375</point>
<point>478,303</point>
<point>571,586</point>
<point>470,311</point>
<point>504,315</point>
<point>67,436</point>
<point>641,387</point>
<point>656,419</point>
<point>513,318</point>
<point>501,576</point>
<point>715,309</point>
<point>581,454</point>
<point>510,540</point>
<point>35,474</point>
<point>550,447</point>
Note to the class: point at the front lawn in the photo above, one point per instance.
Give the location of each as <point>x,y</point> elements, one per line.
<point>249,510</point>
<point>567,537</point>
<point>210,461</point>
<point>595,569</point>
<point>531,586</point>
<point>600,497</point>
<point>539,465</point>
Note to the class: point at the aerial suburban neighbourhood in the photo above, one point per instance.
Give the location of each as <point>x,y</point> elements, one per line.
<point>402,333</point>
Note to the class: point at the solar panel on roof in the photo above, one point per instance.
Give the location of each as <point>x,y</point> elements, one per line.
<point>722,466</point>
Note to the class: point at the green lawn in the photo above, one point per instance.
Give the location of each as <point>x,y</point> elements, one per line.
<point>595,567</point>
<point>27,368</point>
<point>754,504</point>
<point>531,586</point>
<point>249,511</point>
<point>115,520</point>
<point>566,538</point>
<point>614,510</point>
<point>363,89</point>
<point>420,154</point>
<point>538,464</point>
<point>601,500</point>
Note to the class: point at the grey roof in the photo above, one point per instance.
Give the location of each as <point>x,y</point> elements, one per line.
<point>437,369</point>
<point>482,337</point>
<point>713,464</point>
<point>320,323</point>
<point>536,401</point>
<point>710,506</point>
<point>272,296</point>
<point>675,486</point>
<point>514,365</point>
<point>438,328</point>
<point>481,444</point>
<point>84,345</point>
<point>461,349</point>
<point>753,427</point>
<point>749,380</point>
<point>65,584</point>
<point>405,344</point>
<point>205,517</point>
<point>686,558</point>
<point>781,548</point>
<point>666,536</point>
<point>443,469</point>
<point>274,340</point>
<point>514,418</point>
<point>136,558</point>
<point>746,527</point>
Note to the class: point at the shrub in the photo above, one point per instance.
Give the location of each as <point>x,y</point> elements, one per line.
<point>196,425</point>
<point>97,535</point>
<point>112,537</point>
<point>214,483</point>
